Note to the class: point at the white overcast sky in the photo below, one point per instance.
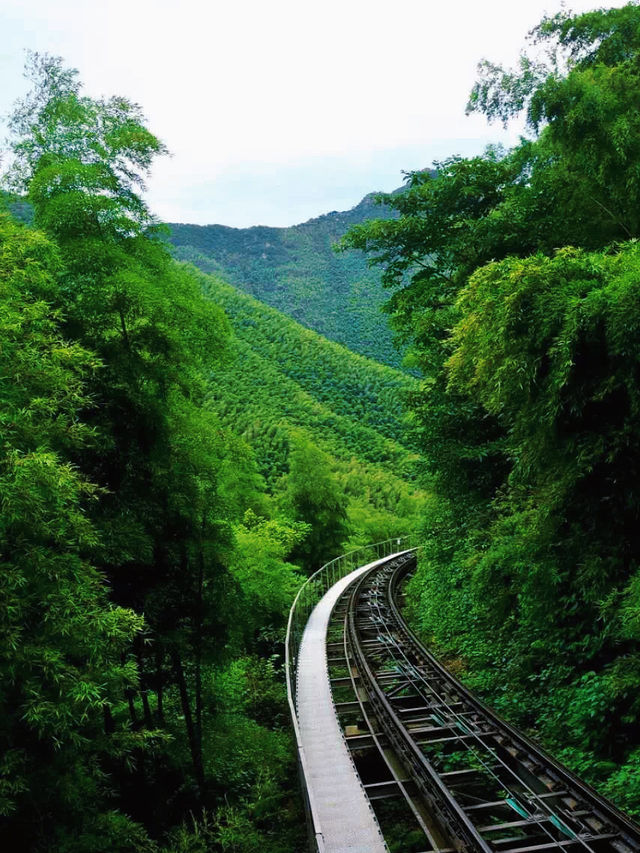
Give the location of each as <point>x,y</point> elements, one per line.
<point>279,110</point>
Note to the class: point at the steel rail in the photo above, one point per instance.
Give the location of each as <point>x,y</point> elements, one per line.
<point>411,704</point>
<point>602,808</point>
<point>400,783</point>
<point>478,736</point>
<point>441,802</point>
<point>535,821</point>
<point>518,766</point>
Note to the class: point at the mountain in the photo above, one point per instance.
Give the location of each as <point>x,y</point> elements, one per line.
<point>282,380</point>
<point>297,271</point>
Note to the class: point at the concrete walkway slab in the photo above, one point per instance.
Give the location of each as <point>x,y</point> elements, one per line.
<point>347,820</point>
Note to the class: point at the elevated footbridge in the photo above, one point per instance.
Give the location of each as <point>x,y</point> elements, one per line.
<point>395,753</point>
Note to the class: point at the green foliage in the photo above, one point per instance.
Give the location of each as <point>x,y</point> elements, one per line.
<point>544,345</point>
<point>528,328</point>
<point>352,386</point>
<point>442,233</point>
<point>585,99</point>
<point>133,449</point>
<point>158,521</point>
<point>297,271</point>
<point>313,497</point>
<point>267,581</point>
<point>622,785</point>
<point>104,143</point>
<point>282,380</point>
<point>528,413</point>
<point>250,754</point>
<point>64,647</point>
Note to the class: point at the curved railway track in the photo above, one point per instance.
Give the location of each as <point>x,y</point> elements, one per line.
<point>441,770</point>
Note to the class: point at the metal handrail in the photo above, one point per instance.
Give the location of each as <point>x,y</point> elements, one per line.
<point>306,599</point>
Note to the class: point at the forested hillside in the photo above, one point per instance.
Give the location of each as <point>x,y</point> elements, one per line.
<point>516,275</point>
<point>285,384</point>
<point>370,396</point>
<point>297,271</point>
<point>174,458</point>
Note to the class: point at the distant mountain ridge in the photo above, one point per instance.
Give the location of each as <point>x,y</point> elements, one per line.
<point>281,380</point>
<point>297,271</point>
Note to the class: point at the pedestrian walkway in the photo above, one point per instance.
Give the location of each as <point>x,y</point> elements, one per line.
<point>346,818</point>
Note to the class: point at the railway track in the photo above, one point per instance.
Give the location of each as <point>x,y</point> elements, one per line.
<point>441,770</point>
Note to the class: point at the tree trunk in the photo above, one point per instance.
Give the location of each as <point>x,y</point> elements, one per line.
<point>199,616</point>
<point>159,682</point>
<point>130,693</point>
<point>109,725</point>
<point>148,721</point>
<point>194,745</point>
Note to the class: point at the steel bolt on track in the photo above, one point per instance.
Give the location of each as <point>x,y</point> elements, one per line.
<point>470,781</point>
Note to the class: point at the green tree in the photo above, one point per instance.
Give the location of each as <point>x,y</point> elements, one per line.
<point>313,497</point>
<point>266,580</point>
<point>63,654</point>
<point>162,525</point>
<point>528,410</point>
<point>582,101</point>
<point>444,230</point>
<point>547,346</point>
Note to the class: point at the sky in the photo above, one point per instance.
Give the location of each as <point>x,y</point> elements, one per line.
<point>276,111</point>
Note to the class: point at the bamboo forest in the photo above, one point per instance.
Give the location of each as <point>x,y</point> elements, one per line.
<point>194,419</point>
